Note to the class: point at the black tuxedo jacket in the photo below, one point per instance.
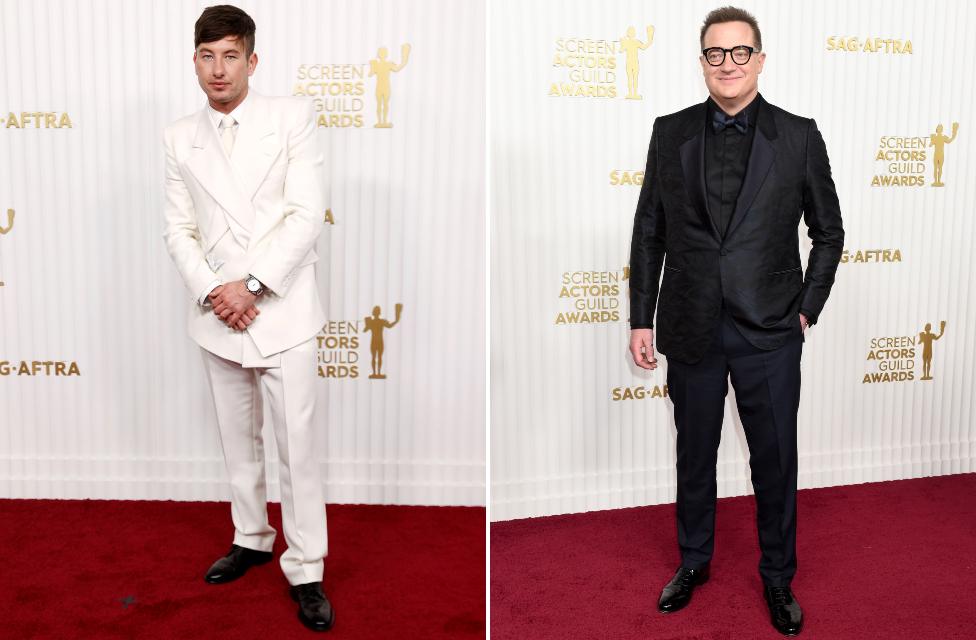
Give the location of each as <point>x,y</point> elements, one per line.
<point>755,268</point>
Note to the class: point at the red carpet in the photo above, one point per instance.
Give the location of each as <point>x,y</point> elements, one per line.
<point>890,560</point>
<point>126,569</point>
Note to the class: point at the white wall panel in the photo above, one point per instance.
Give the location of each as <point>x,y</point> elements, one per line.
<point>560,441</point>
<point>87,280</point>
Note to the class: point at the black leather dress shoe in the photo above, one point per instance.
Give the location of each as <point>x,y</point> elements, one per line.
<point>677,593</point>
<point>235,564</point>
<point>314,609</point>
<point>784,610</point>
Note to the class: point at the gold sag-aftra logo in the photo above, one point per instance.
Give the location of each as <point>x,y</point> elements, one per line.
<point>340,341</point>
<point>905,160</point>
<point>341,90</point>
<point>38,368</point>
<point>589,68</point>
<point>870,256</point>
<point>626,177</point>
<point>868,45</point>
<point>590,297</point>
<point>905,358</point>
<point>639,392</point>
<point>36,120</point>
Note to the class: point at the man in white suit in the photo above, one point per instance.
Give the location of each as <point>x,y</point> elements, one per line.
<point>243,198</point>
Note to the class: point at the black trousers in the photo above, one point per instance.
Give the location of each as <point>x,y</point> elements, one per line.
<point>767,394</point>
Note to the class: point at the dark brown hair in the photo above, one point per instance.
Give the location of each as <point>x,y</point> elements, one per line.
<point>731,14</point>
<point>216,23</point>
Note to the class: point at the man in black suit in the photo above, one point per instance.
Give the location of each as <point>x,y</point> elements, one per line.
<point>725,186</point>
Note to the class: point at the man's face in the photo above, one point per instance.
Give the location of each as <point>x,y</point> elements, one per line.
<point>730,80</point>
<point>223,68</point>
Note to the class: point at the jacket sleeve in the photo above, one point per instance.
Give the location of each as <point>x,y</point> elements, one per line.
<point>821,212</point>
<point>647,246</point>
<point>299,228</point>
<point>181,233</point>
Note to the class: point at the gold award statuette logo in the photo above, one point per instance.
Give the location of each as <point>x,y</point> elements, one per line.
<point>631,46</point>
<point>926,338</point>
<point>905,158</point>
<point>382,69</point>
<point>339,343</point>
<point>375,325</point>
<point>893,358</point>
<point>939,141</point>
<point>590,65</point>
<point>4,230</point>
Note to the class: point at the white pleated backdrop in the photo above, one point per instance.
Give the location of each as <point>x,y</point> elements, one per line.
<point>87,280</point>
<point>575,426</point>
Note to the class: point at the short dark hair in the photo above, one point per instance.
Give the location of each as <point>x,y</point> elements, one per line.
<point>731,14</point>
<point>216,23</point>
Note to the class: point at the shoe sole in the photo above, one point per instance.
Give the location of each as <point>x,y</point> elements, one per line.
<point>788,635</point>
<point>310,625</point>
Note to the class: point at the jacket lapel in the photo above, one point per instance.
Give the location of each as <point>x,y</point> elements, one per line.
<point>212,169</point>
<point>761,159</point>
<point>256,149</point>
<point>256,146</point>
<point>692,150</point>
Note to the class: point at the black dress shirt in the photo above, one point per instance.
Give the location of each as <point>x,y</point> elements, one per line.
<point>726,159</point>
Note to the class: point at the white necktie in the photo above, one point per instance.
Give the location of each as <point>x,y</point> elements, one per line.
<point>227,132</point>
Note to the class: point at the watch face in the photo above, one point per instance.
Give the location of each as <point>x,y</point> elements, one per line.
<point>253,285</point>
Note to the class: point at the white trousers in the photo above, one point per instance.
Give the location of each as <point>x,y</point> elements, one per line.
<point>290,390</point>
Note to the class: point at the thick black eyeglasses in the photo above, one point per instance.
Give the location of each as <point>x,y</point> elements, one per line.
<point>715,56</point>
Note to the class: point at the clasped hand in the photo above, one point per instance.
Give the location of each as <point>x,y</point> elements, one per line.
<point>234,305</point>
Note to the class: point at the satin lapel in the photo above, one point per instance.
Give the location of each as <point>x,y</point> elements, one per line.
<point>209,164</point>
<point>692,152</point>
<point>761,160</point>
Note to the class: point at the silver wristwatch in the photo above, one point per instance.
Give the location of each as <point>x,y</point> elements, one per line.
<point>254,285</point>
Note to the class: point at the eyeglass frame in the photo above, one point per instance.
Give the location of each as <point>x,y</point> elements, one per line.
<point>728,52</point>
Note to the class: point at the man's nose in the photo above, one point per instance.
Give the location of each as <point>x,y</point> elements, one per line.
<point>727,67</point>
<point>218,68</point>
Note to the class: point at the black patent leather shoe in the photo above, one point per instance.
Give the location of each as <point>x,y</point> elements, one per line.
<point>314,609</point>
<point>677,593</point>
<point>235,564</point>
<point>784,610</point>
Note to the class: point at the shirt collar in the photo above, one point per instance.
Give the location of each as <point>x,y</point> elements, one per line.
<point>239,112</point>
<point>751,110</point>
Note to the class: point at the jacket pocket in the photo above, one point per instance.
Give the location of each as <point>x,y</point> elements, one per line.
<point>782,271</point>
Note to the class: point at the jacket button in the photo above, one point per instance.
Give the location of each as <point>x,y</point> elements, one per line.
<point>724,251</point>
